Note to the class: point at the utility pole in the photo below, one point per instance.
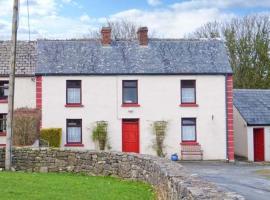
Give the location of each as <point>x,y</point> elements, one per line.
<point>8,158</point>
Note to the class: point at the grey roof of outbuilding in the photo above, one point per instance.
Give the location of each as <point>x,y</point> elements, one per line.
<point>26,58</point>
<point>161,56</point>
<point>253,105</point>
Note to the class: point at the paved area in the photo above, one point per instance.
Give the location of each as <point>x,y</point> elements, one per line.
<point>239,177</point>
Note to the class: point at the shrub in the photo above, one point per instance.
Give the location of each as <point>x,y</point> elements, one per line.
<point>159,130</point>
<point>100,134</point>
<point>26,126</point>
<point>52,136</point>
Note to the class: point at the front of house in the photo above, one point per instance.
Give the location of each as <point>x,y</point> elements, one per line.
<point>131,85</point>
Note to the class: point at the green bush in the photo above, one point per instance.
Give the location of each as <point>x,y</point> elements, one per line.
<point>52,135</point>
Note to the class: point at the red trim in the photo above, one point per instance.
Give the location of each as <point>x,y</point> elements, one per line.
<point>131,105</point>
<point>230,132</point>
<point>2,145</point>
<point>74,145</point>
<point>189,105</point>
<point>189,143</point>
<point>3,101</point>
<point>3,133</point>
<point>39,96</point>
<point>73,105</point>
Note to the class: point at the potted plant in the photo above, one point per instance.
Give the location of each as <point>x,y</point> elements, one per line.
<point>100,134</point>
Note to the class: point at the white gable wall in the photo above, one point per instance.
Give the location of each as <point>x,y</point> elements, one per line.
<point>159,99</point>
<point>240,134</point>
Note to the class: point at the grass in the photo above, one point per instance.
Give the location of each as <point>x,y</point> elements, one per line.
<point>37,186</point>
<point>264,172</point>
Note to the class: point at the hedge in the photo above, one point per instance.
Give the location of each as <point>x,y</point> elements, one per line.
<point>52,135</point>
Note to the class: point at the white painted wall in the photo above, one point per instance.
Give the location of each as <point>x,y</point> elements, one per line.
<point>240,134</point>
<point>159,97</point>
<point>266,142</point>
<point>25,96</point>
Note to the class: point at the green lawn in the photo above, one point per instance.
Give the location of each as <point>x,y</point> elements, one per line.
<point>29,186</point>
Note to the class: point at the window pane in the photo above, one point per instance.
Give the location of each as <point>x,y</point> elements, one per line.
<point>74,84</point>
<point>130,95</point>
<point>130,83</point>
<point>74,135</point>
<point>3,121</point>
<point>188,95</point>
<point>188,121</point>
<point>73,95</point>
<point>188,133</point>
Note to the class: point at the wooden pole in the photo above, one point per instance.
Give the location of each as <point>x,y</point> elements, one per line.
<point>8,158</point>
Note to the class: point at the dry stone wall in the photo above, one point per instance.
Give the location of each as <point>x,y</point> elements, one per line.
<point>170,179</point>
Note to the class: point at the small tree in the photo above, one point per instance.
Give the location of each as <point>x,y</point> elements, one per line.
<point>159,130</point>
<point>100,134</point>
<point>26,126</point>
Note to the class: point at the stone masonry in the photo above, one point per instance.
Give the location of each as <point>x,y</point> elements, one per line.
<point>170,180</point>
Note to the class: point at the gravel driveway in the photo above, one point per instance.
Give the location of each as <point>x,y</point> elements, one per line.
<point>239,177</point>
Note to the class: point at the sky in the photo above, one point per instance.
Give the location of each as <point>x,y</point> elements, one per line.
<point>64,19</point>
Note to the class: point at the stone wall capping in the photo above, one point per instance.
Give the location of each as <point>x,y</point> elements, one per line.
<point>170,179</point>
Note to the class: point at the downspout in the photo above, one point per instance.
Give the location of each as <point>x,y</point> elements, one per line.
<point>226,108</point>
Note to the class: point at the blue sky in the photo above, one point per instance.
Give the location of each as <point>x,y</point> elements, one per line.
<point>76,18</point>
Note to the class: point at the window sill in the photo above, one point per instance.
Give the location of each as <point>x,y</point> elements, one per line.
<point>189,105</point>
<point>131,105</point>
<point>73,105</point>
<point>74,145</point>
<point>2,145</point>
<point>3,101</point>
<point>189,143</point>
<point>3,133</point>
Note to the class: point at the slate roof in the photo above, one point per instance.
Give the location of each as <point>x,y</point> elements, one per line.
<point>253,105</point>
<point>26,58</point>
<point>161,56</point>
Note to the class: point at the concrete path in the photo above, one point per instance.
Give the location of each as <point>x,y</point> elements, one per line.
<point>239,177</point>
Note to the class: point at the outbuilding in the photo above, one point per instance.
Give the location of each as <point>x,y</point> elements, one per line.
<point>252,124</point>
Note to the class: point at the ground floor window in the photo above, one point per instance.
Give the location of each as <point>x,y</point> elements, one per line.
<point>74,131</point>
<point>189,130</point>
<point>3,122</point>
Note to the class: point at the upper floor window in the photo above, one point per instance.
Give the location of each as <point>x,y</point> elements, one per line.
<point>3,122</point>
<point>188,91</point>
<point>74,131</point>
<point>130,92</point>
<point>189,130</point>
<point>3,89</point>
<point>73,92</point>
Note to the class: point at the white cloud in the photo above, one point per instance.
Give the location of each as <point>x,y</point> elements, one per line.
<point>85,18</point>
<point>154,2</point>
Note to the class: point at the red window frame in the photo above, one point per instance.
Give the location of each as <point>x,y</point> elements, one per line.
<point>195,124</point>
<point>67,126</point>
<point>186,84</point>
<point>125,104</point>
<point>79,104</point>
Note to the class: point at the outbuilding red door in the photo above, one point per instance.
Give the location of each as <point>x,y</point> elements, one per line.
<point>258,144</point>
<point>130,135</point>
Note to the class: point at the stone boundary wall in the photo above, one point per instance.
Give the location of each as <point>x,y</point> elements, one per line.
<point>171,181</point>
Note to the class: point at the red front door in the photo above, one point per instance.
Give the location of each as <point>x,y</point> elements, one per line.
<point>258,144</point>
<point>130,135</point>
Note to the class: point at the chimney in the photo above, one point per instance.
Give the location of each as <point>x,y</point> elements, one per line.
<point>142,36</point>
<point>106,36</point>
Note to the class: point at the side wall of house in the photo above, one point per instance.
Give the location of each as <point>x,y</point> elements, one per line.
<point>240,134</point>
<point>25,96</point>
<point>159,99</point>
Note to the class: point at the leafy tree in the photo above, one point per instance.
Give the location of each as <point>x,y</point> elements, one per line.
<point>248,43</point>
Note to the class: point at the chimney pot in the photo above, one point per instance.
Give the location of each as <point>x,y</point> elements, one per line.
<point>106,36</point>
<point>143,36</point>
